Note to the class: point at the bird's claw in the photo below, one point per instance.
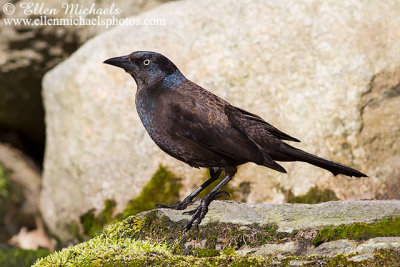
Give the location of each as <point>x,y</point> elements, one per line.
<point>190,212</point>
<point>198,215</point>
<point>201,210</point>
<point>180,206</point>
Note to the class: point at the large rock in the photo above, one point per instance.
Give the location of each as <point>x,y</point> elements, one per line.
<point>338,233</point>
<point>27,52</point>
<point>324,72</point>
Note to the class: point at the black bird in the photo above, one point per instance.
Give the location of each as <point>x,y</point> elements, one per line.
<point>203,130</point>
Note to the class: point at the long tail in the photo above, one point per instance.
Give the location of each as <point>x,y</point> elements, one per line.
<point>335,168</point>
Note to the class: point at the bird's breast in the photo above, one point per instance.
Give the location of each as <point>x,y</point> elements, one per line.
<point>151,112</point>
<point>146,112</point>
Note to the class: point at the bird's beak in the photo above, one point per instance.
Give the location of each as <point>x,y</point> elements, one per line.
<point>122,62</point>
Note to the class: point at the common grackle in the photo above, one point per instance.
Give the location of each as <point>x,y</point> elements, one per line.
<point>203,130</point>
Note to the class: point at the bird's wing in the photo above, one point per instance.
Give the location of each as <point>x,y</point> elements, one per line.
<point>206,124</point>
<point>243,114</point>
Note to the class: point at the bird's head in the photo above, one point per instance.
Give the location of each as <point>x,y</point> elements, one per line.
<point>147,68</point>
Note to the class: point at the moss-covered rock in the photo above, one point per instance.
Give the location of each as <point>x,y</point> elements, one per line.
<point>124,243</point>
<point>151,238</point>
<point>359,231</point>
<point>156,226</point>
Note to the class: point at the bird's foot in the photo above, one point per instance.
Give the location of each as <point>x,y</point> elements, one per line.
<point>180,206</point>
<point>201,210</point>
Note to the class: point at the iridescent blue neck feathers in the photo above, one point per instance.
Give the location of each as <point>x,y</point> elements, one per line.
<point>173,80</point>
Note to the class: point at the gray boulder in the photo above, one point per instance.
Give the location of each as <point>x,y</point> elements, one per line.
<point>324,72</point>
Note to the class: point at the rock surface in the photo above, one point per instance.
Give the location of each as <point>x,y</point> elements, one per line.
<point>258,234</point>
<point>294,217</point>
<point>324,72</point>
<point>27,52</point>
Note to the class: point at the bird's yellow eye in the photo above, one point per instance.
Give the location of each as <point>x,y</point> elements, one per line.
<point>146,62</point>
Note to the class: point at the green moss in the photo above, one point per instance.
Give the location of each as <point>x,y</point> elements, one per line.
<point>359,231</point>
<point>143,253</point>
<point>229,252</point>
<point>12,256</point>
<point>117,246</point>
<point>162,229</point>
<point>313,196</point>
<point>381,257</point>
<point>93,224</point>
<point>126,244</point>
<point>205,252</point>
<point>386,257</point>
<point>162,188</point>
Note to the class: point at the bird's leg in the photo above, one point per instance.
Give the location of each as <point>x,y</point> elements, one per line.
<point>214,173</point>
<point>199,212</point>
